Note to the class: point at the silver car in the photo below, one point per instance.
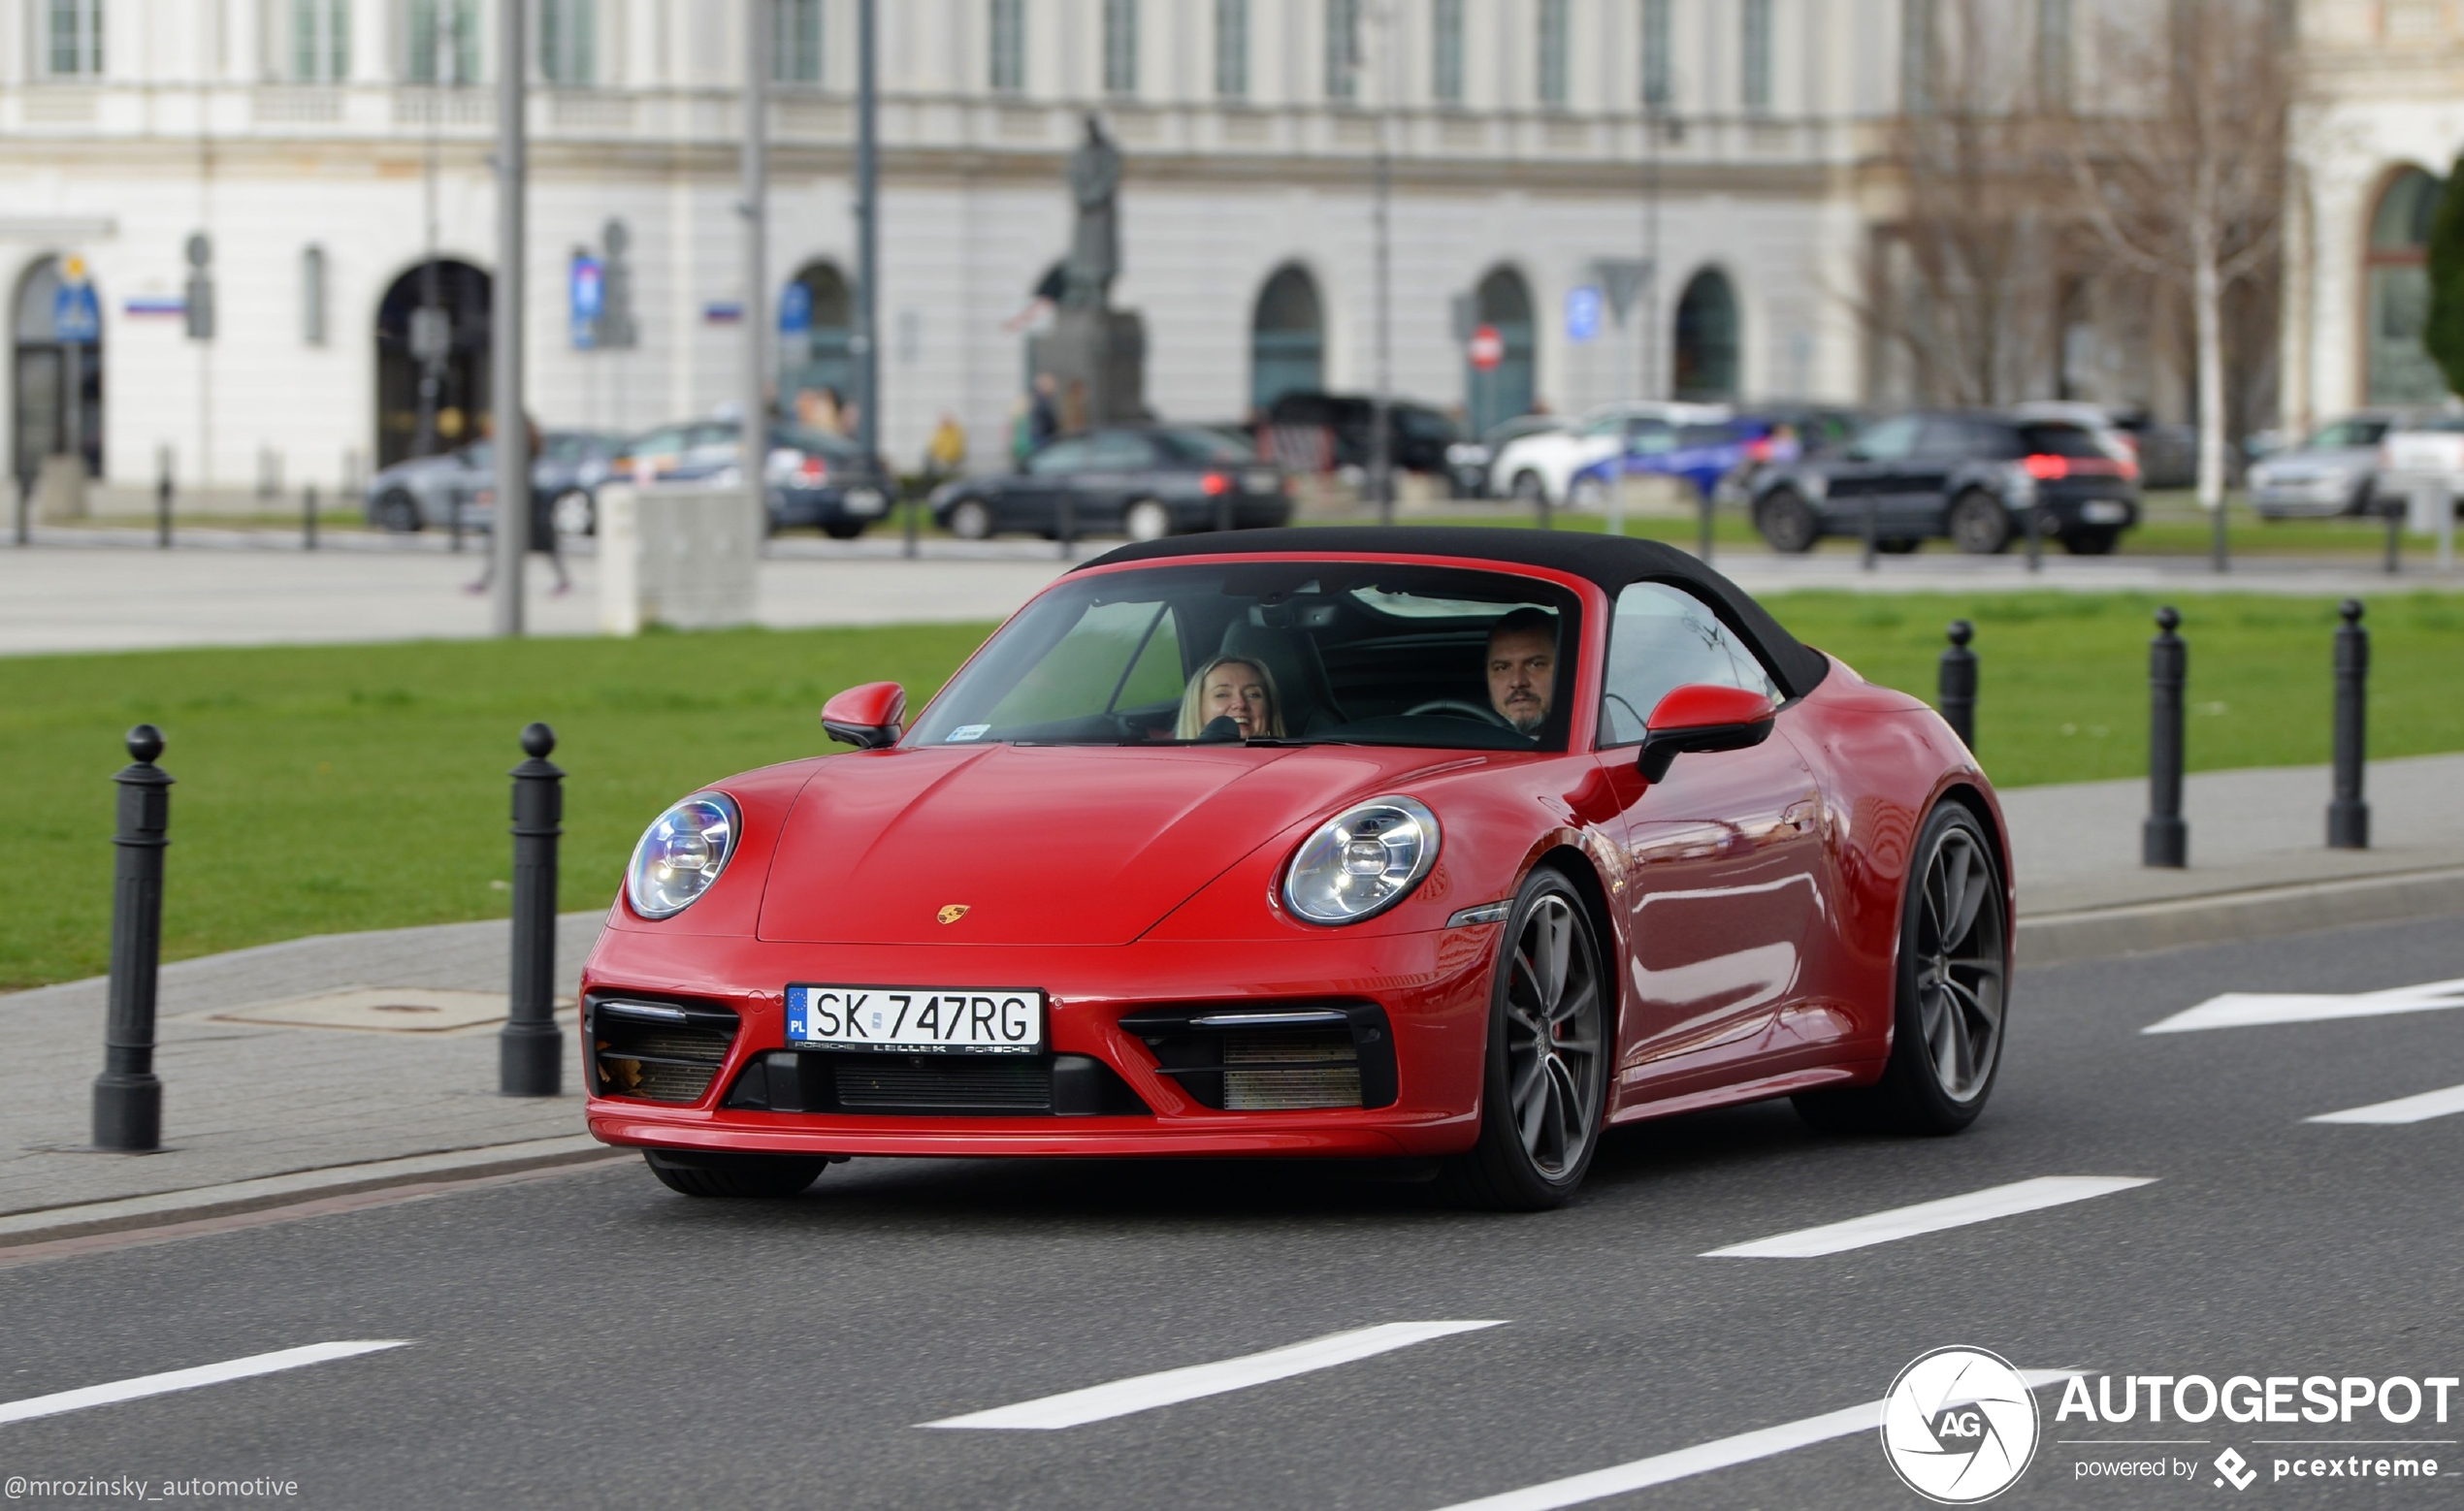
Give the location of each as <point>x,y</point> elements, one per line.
<point>424,493</point>
<point>2332,473</point>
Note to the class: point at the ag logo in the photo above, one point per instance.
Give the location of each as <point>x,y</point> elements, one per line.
<point>1959,1426</point>
<point>951,913</point>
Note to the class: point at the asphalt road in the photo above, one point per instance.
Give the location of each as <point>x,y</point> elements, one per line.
<point>590,1341</point>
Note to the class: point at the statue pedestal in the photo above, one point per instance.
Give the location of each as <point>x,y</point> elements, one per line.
<point>1097,359</point>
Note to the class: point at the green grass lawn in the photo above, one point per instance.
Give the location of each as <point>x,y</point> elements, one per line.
<point>335,787</point>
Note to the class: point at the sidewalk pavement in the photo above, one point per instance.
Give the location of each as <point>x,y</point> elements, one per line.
<point>98,589</point>
<point>256,1114</point>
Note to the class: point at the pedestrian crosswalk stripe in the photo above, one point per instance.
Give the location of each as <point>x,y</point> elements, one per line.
<point>1704,1458</point>
<point>1956,1211</point>
<point>2256,1009</point>
<point>2403,1109</point>
<point>189,1379</point>
<point>1146,1391</point>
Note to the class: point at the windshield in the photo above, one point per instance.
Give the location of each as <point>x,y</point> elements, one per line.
<point>1197,445</point>
<point>1356,652</point>
<point>2348,435</point>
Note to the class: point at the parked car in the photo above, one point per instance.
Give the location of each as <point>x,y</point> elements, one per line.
<point>814,479</point>
<point>1468,462</point>
<point>1541,466</point>
<point>1717,458</point>
<point>424,491</point>
<point>1971,477</point>
<point>1144,481</point>
<point>2167,455</point>
<point>2332,473</point>
<point>2418,451</point>
<point>1417,435</point>
<point>1064,911</point>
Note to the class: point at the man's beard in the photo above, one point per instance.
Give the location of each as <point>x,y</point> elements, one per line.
<point>1527,723</point>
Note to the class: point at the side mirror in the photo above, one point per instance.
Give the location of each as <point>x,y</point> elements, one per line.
<point>868,717</point>
<point>1702,716</point>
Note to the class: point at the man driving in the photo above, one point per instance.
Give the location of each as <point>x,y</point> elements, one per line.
<point>1522,666</point>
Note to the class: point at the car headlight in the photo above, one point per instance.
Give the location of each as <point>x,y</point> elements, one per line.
<point>1362,861</point>
<point>681,855</point>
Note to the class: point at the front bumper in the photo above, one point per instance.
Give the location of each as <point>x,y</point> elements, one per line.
<point>2308,497</point>
<point>1431,991</point>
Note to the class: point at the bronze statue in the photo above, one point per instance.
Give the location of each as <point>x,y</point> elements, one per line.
<point>1095,254</point>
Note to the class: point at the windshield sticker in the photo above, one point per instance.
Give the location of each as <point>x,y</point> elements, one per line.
<point>966,732</point>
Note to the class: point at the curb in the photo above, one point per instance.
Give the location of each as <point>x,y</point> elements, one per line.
<point>2222,918</point>
<point>43,1225</point>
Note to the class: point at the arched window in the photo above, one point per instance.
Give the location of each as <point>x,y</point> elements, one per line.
<point>1503,302</point>
<point>431,359</point>
<point>60,386</point>
<point>2396,292</point>
<point>816,319</point>
<point>1288,338</point>
<point>1707,340</point>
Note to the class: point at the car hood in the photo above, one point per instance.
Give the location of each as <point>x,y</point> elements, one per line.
<point>1040,845</point>
<point>2297,467</point>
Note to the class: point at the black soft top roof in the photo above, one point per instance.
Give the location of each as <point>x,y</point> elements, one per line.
<point>1611,560</point>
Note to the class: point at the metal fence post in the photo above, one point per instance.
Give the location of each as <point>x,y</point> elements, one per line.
<point>26,511</point>
<point>2036,536</point>
<point>2348,815</point>
<point>1702,507</point>
<point>1958,684</point>
<point>128,1097</point>
<point>2395,533</point>
<point>162,506</point>
<point>2165,841</point>
<point>307,518</point>
<point>529,1051</point>
<point>1069,522</point>
<point>454,518</point>
<point>1871,529</point>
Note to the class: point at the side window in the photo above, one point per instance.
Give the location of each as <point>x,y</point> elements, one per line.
<point>1060,457</point>
<point>1889,440</point>
<point>1114,451</point>
<point>1662,639</point>
<point>1647,437</point>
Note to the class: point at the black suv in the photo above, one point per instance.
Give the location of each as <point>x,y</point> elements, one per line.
<point>1972,477</point>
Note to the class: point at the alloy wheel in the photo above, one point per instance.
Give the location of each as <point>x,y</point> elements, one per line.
<point>1958,965</point>
<point>1553,1040</point>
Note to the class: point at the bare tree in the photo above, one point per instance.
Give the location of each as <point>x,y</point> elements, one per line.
<point>1964,278</point>
<point>2181,167</point>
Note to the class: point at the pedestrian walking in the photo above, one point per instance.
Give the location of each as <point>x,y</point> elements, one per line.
<point>946,454</point>
<point>543,538</point>
<point>1043,411</point>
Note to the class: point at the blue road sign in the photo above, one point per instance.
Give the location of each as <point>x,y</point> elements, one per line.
<point>75,319</point>
<point>1583,313</point>
<point>795,309</point>
<point>587,293</point>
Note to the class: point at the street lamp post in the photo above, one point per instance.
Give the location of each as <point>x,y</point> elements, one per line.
<point>1382,471</point>
<point>512,527</point>
<point>867,348</point>
<point>755,447</point>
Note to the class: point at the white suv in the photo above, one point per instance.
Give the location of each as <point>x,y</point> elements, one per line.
<point>1532,467</point>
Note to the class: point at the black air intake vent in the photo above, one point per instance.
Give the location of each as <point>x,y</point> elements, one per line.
<point>928,1085</point>
<point>660,1051</point>
<point>1249,1057</point>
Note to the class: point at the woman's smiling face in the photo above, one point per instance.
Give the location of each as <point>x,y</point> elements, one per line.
<point>1238,689</point>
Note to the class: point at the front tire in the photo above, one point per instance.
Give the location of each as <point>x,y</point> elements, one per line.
<point>1544,1090</point>
<point>1952,992</point>
<point>1787,522</point>
<point>399,513</point>
<point>970,520</point>
<point>1978,524</point>
<point>1528,490</point>
<point>843,530</point>
<point>752,1176</point>
<point>2092,541</point>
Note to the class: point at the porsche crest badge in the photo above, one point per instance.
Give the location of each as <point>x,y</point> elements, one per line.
<point>951,913</point>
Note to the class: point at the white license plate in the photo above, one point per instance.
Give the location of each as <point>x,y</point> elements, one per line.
<point>917,1019</point>
<point>1260,481</point>
<point>2104,511</point>
<point>865,501</point>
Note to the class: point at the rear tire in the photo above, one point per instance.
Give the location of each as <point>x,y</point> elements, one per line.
<point>1528,490</point>
<point>399,513</point>
<point>843,530</point>
<point>970,520</point>
<point>1978,524</point>
<point>1787,522</point>
<point>2092,541</point>
<point>757,1177</point>
<point>1587,493</point>
<point>1951,994</point>
<point>1544,1087</point>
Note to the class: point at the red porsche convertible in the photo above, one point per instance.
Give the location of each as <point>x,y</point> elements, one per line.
<point>1451,845</point>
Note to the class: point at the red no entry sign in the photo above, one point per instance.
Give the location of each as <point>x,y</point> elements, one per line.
<point>1486,348</point>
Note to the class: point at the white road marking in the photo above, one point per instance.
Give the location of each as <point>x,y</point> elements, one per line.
<point>2254,1009</point>
<point>1704,1458</point>
<point>189,1379</point>
<point>2403,1109</point>
<point>1146,1391</point>
<point>1952,1211</point>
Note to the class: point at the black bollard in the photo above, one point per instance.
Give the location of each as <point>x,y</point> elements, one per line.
<point>531,1054</point>
<point>2395,534</point>
<point>1702,507</point>
<point>1069,523</point>
<point>1872,530</point>
<point>2036,536</point>
<point>26,511</point>
<point>162,511</point>
<point>128,1099</point>
<point>1547,521</point>
<point>453,505</point>
<point>1958,684</point>
<point>307,519</point>
<point>2348,815</point>
<point>2166,839</point>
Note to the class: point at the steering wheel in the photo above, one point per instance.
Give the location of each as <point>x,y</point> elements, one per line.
<point>1456,708</point>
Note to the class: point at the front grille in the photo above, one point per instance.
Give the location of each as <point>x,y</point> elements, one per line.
<point>1245,1057</point>
<point>943,1082</point>
<point>660,1051</point>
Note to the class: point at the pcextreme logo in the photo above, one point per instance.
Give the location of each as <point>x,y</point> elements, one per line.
<point>1959,1426</point>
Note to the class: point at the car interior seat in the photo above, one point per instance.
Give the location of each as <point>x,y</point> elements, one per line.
<point>1291,659</point>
